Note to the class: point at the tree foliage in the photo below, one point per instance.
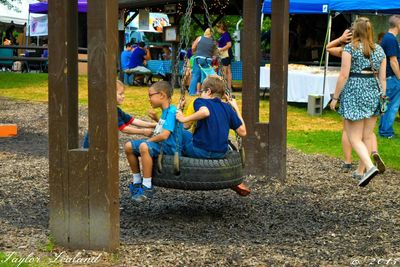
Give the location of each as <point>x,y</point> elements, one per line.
<point>231,21</point>
<point>196,30</point>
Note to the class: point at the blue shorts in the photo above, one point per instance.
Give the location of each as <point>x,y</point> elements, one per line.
<point>189,150</point>
<point>154,148</point>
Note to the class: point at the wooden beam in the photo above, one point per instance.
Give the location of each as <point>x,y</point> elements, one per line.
<point>103,133</point>
<point>79,214</point>
<point>198,22</point>
<point>278,94</point>
<point>220,16</point>
<point>256,141</point>
<point>72,78</point>
<point>59,12</point>
<point>238,8</point>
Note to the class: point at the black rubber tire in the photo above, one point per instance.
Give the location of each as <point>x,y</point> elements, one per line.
<point>200,174</point>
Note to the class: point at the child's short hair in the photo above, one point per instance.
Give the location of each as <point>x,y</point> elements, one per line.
<point>119,83</point>
<point>163,86</point>
<point>222,25</point>
<point>216,85</point>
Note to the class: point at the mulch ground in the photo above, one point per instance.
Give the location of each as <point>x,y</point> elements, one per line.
<point>319,217</point>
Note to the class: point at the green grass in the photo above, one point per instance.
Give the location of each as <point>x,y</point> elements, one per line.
<point>49,245</point>
<point>318,134</point>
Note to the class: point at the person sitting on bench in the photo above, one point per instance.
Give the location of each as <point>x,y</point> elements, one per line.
<point>136,63</point>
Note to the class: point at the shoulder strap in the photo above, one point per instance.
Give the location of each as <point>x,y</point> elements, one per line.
<point>375,73</point>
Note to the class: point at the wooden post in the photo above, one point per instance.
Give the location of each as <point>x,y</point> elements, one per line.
<point>256,141</point>
<point>103,130</point>
<point>266,142</point>
<point>84,196</point>
<point>278,95</point>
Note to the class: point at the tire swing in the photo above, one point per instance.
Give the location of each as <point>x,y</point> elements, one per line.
<point>178,172</point>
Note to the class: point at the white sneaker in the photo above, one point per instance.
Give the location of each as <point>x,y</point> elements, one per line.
<point>368,176</point>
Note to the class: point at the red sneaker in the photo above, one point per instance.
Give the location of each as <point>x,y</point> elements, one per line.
<point>241,189</point>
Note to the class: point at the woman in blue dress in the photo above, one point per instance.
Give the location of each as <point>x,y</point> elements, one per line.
<point>359,93</point>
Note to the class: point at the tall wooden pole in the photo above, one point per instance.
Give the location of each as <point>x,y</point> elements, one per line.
<point>256,141</point>
<point>278,96</point>
<point>266,142</point>
<point>84,184</point>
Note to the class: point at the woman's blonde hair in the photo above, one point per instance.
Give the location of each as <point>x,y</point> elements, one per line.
<point>208,32</point>
<point>363,33</point>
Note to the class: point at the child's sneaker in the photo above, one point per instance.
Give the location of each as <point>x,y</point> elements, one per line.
<point>143,193</point>
<point>241,189</point>
<point>133,188</point>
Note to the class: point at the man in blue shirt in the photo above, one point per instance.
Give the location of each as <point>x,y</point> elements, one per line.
<point>391,47</point>
<point>125,59</point>
<point>139,55</point>
<point>136,63</point>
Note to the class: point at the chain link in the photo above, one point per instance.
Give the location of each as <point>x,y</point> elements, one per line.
<point>184,39</point>
<point>207,15</point>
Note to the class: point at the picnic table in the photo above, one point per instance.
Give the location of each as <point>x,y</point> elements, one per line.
<point>305,81</point>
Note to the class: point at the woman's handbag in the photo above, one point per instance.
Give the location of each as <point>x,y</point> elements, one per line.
<point>224,53</point>
<point>383,99</point>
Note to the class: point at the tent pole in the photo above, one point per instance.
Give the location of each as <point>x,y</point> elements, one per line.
<point>28,29</point>
<point>262,16</point>
<point>327,54</point>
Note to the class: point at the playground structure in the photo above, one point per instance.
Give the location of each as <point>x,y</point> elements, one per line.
<point>84,196</point>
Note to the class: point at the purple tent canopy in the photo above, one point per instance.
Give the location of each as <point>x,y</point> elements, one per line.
<point>42,8</point>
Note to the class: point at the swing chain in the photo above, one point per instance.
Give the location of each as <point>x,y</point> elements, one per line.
<point>207,15</point>
<point>185,39</point>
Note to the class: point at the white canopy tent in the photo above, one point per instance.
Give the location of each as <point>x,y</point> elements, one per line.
<point>19,18</point>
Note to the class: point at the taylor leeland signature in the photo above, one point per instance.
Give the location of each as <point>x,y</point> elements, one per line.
<point>76,259</point>
<point>62,257</point>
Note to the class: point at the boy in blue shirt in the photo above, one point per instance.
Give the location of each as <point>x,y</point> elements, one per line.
<point>164,136</point>
<point>214,119</point>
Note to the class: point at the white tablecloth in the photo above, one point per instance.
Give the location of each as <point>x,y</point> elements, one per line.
<point>303,83</point>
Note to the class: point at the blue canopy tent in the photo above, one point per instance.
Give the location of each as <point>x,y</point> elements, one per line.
<point>365,6</point>
<point>302,7</point>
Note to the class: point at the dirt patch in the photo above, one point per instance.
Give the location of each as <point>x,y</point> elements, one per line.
<point>319,217</point>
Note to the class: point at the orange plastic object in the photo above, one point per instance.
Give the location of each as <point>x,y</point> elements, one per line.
<point>8,130</point>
